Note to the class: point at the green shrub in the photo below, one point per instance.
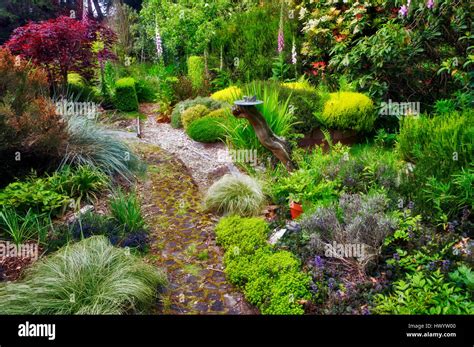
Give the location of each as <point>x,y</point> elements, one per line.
<point>80,183</point>
<point>77,88</point>
<point>348,110</point>
<point>439,146</point>
<point>126,210</point>
<point>145,90</point>
<point>424,294</point>
<point>448,198</point>
<point>442,149</point>
<point>192,114</point>
<point>125,95</point>
<point>303,102</point>
<point>228,95</point>
<point>248,234</point>
<point>302,84</point>
<point>35,193</point>
<point>182,106</point>
<point>207,129</point>
<point>196,71</point>
<point>235,194</point>
<point>88,277</point>
<point>91,145</point>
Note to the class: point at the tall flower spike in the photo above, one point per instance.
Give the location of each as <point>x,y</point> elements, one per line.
<point>159,46</point>
<point>281,37</point>
<point>403,11</point>
<point>294,56</point>
<point>430,4</point>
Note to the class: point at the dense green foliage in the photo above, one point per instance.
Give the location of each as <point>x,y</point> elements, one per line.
<point>78,88</point>
<point>348,110</point>
<point>126,95</point>
<point>207,129</point>
<point>176,121</point>
<point>192,114</point>
<point>442,150</point>
<point>196,71</point>
<point>421,55</point>
<point>271,280</point>
<point>425,294</point>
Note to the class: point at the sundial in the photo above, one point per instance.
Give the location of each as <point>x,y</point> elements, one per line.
<point>248,101</point>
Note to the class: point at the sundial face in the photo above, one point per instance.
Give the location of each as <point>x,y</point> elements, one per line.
<point>249,101</point>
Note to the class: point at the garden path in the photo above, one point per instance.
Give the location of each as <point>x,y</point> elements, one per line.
<point>206,162</point>
<point>183,239</point>
<point>182,235</point>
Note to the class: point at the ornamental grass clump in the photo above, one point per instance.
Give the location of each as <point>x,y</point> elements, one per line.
<point>91,145</point>
<point>88,277</point>
<point>235,195</point>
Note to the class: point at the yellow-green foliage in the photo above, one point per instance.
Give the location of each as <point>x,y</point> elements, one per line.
<point>192,114</point>
<point>348,110</point>
<point>196,71</point>
<point>270,279</point>
<point>300,85</point>
<point>78,88</point>
<point>229,94</point>
<point>220,113</point>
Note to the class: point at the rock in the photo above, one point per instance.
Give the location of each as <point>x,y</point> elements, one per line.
<point>293,226</point>
<point>85,209</point>
<point>229,300</point>
<point>276,236</point>
<point>217,306</point>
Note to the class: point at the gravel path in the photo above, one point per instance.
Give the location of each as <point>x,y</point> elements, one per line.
<point>205,162</point>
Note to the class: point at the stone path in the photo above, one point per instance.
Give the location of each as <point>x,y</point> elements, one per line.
<point>182,235</point>
<point>183,240</point>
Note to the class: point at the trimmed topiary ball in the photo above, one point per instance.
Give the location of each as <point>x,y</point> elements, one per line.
<point>235,195</point>
<point>182,106</point>
<point>125,95</point>
<point>209,128</point>
<point>192,114</point>
<point>348,110</point>
<point>206,129</point>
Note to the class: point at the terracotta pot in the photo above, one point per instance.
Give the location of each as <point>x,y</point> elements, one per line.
<point>296,209</point>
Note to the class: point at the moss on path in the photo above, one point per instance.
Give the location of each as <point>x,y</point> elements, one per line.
<point>182,240</point>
